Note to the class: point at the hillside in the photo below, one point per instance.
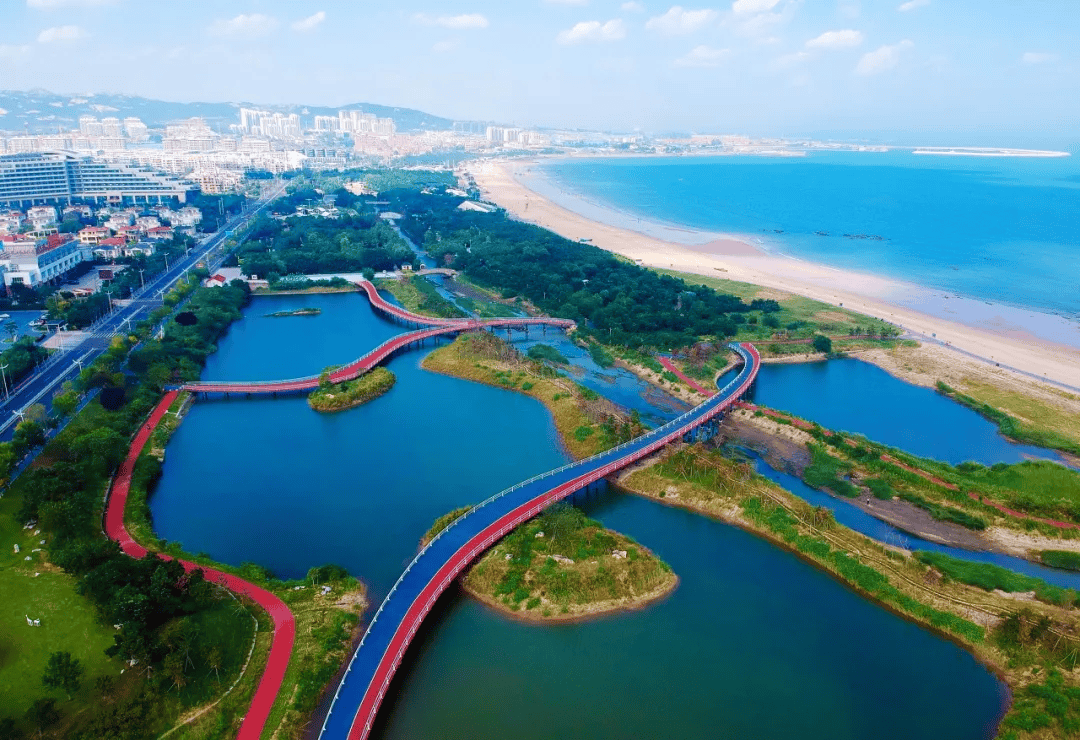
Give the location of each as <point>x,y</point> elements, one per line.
<point>41,111</point>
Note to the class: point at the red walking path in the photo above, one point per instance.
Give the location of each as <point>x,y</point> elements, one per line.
<point>436,327</point>
<point>673,368</point>
<point>400,313</point>
<point>284,624</point>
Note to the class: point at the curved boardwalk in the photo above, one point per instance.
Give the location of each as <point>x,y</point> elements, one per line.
<point>284,624</point>
<point>437,328</point>
<point>372,667</point>
<point>400,313</point>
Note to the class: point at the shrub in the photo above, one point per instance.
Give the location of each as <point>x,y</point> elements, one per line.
<point>1063,559</point>
<point>880,488</point>
<point>822,344</point>
<point>545,352</point>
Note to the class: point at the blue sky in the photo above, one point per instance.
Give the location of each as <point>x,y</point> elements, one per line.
<point>985,68</point>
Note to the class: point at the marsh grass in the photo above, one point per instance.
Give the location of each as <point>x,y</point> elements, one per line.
<point>329,397</point>
<point>530,568</point>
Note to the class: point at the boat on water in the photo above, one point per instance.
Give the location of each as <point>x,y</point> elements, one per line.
<point>4,316</point>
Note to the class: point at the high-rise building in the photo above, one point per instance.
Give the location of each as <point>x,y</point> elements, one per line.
<point>90,126</point>
<point>111,127</point>
<point>61,176</point>
<point>265,123</point>
<point>327,123</point>
<point>136,129</point>
<point>383,127</point>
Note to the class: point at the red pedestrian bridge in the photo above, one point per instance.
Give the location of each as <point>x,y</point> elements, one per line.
<point>374,662</point>
<point>365,683</point>
<point>436,328</point>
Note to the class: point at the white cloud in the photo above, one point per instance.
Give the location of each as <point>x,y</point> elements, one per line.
<point>703,56</point>
<point>836,39</point>
<point>54,4</point>
<point>1037,57</point>
<point>456,22</point>
<point>882,59</point>
<point>633,7</point>
<point>309,23</point>
<point>912,4</point>
<point>252,25</point>
<point>60,33</point>
<point>613,30</point>
<point>10,53</point>
<point>748,7</point>
<point>677,20</point>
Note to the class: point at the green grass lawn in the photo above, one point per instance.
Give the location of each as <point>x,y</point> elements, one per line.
<point>1035,485</point>
<point>228,626</point>
<point>815,316</point>
<point>68,621</point>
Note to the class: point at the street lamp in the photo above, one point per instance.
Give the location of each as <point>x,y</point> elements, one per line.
<point>4,376</point>
<point>142,280</point>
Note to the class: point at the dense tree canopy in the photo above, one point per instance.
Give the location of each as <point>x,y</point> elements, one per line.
<point>304,245</point>
<point>619,302</point>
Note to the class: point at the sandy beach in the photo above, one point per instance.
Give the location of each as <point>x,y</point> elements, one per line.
<point>997,341</point>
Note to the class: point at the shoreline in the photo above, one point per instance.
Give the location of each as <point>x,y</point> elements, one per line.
<point>594,610</point>
<point>733,515</point>
<point>1001,344</point>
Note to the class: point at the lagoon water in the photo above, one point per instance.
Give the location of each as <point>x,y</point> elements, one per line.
<point>272,482</point>
<point>998,229</point>
<point>853,396</point>
<point>855,518</point>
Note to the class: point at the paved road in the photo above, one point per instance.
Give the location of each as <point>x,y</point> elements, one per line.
<point>66,365</point>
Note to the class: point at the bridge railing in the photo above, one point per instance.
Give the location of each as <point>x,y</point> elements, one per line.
<point>750,360</point>
<point>389,345</point>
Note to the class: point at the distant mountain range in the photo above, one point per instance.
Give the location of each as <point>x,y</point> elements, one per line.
<point>41,111</point>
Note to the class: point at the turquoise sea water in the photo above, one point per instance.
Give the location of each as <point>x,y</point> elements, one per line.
<point>999,229</point>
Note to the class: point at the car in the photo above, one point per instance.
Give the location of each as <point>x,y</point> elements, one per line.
<point>71,282</point>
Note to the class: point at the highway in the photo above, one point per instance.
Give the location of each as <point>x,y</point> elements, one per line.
<point>65,365</point>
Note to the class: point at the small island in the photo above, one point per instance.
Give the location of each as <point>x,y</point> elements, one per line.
<point>563,565</point>
<point>329,397</point>
<point>295,312</point>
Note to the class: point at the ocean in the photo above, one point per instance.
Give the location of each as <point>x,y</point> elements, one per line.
<point>1001,231</point>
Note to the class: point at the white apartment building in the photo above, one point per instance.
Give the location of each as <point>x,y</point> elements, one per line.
<point>186,216</point>
<point>136,129</point>
<point>41,216</point>
<point>90,126</point>
<point>266,123</point>
<point>112,127</point>
<point>32,261</point>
